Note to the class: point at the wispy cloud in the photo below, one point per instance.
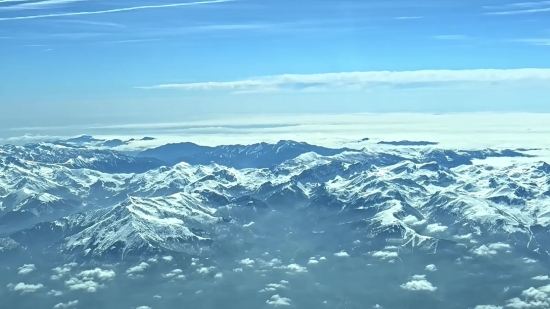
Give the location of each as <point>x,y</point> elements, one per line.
<point>519,8</point>
<point>450,37</point>
<point>46,4</point>
<point>364,80</point>
<point>538,42</point>
<point>126,9</point>
<point>93,23</point>
<point>408,17</point>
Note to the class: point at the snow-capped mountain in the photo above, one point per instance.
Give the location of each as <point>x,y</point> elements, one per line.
<point>77,157</point>
<point>239,156</point>
<point>424,198</point>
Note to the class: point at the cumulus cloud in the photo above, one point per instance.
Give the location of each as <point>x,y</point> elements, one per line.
<point>541,278</point>
<point>491,249</point>
<point>27,268</point>
<point>247,262</point>
<point>205,270</point>
<point>312,262</point>
<point>85,285</point>
<point>277,300</point>
<point>499,246</point>
<point>532,298</point>
<point>271,263</point>
<point>143,307</point>
<point>218,276</point>
<point>168,258</point>
<point>69,304</point>
<point>25,288</point>
<point>55,293</point>
<point>98,274</point>
<point>383,255</point>
<point>138,268</point>
<point>435,228</point>
<point>176,273</point>
<point>487,307</point>
<point>61,271</point>
<point>419,283</point>
<point>341,254</point>
<point>361,80</point>
<point>431,267</point>
<point>294,268</point>
<point>273,287</point>
<point>484,251</point>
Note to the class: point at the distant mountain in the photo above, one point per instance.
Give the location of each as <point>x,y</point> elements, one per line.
<point>238,156</point>
<point>78,157</point>
<point>407,143</point>
<point>76,202</point>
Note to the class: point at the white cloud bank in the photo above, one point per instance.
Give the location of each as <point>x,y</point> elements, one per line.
<point>365,80</point>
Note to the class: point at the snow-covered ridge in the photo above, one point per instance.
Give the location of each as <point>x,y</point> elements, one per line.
<point>418,197</point>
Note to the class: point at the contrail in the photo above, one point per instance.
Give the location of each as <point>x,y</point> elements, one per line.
<point>135,8</point>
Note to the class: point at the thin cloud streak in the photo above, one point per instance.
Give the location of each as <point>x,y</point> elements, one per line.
<point>519,12</point>
<point>450,37</point>
<point>39,5</point>
<point>93,23</point>
<point>362,80</point>
<point>135,8</point>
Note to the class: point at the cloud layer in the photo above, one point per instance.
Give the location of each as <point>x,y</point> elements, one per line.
<point>365,80</point>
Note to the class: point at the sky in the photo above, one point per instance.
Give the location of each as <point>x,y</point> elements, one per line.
<point>74,62</point>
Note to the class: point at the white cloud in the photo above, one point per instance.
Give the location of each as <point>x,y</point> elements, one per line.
<point>312,262</point>
<point>138,268</point>
<point>484,251</point>
<point>97,273</point>
<point>277,300</point>
<point>27,268</point>
<point>247,262</point>
<point>86,285</point>
<point>385,255</point>
<point>205,270</point>
<point>541,278</point>
<point>176,273</point>
<point>529,261</point>
<point>365,80</point>
<point>341,254</point>
<point>418,283</point>
<point>238,270</point>
<point>487,307</point>
<point>25,288</point>
<point>69,304</point>
<point>294,268</point>
<point>499,246</point>
<point>168,258</point>
<point>431,267</point>
<point>435,228</point>
<point>55,293</point>
<point>273,287</point>
<point>135,8</point>
<point>218,276</point>
<point>143,307</point>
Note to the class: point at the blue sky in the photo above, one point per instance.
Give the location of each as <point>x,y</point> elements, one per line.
<point>70,61</point>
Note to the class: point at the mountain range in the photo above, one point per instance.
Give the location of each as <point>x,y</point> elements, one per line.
<point>87,203</point>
